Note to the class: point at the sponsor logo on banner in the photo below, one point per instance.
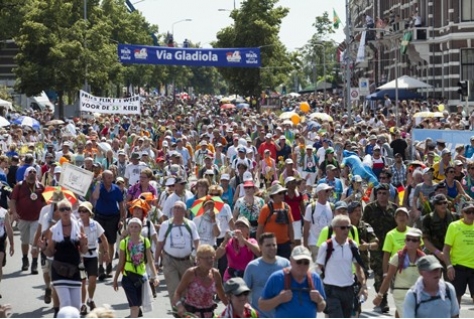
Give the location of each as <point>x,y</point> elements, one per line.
<point>251,57</point>
<point>125,54</point>
<point>233,57</point>
<point>140,54</point>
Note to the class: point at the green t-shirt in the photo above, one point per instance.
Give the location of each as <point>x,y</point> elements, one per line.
<point>395,241</point>
<point>461,239</point>
<point>323,235</point>
<point>135,254</point>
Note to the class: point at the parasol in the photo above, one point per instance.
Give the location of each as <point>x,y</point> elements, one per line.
<point>197,208</point>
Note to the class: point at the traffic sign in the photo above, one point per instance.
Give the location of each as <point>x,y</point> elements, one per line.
<point>364,86</point>
<point>355,94</point>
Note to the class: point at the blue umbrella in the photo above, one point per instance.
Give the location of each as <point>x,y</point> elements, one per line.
<point>27,121</point>
<point>243,105</point>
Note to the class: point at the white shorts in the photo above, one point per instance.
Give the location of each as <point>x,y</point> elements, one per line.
<point>311,178</point>
<point>298,233</point>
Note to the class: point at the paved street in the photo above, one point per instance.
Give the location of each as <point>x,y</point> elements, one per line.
<point>25,293</point>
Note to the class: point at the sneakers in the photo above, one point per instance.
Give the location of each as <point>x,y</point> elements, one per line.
<point>91,304</point>
<point>47,296</point>
<point>83,310</point>
<point>25,264</point>
<point>109,270</point>
<point>101,273</point>
<point>34,268</point>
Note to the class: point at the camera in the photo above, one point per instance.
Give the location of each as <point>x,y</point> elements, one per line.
<point>232,233</point>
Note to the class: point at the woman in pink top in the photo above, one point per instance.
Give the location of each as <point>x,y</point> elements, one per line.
<point>201,283</point>
<point>239,249</point>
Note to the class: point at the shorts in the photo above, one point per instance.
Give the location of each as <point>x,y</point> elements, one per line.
<point>91,266</point>
<point>463,277</point>
<point>311,178</point>
<point>110,226</point>
<point>46,264</point>
<point>134,294</point>
<point>297,231</point>
<point>399,298</point>
<point>27,231</point>
<point>2,243</point>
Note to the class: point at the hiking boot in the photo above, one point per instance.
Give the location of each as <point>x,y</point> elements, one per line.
<point>47,296</point>
<point>91,304</point>
<point>83,310</point>
<point>140,312</point>
<point>109,270</point>
<point>101,273</point>
<point>34,268</point>
<point>25,264</point>
<point>384,308</point>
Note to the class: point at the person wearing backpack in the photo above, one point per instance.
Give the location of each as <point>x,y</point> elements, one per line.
<point>402,268</point>
<point>340,208</point>
<point>294,292</point>
<point>431,296</point>
<point>276,217</point>
<point>336,263</point>
<point>177,238</point>
<point>135,255</point>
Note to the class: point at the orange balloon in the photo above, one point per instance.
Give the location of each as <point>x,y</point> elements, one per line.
<point>295,119</point>
<point>304,107</point>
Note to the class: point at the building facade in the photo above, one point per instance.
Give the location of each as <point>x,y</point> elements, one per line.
<point>440,52</point>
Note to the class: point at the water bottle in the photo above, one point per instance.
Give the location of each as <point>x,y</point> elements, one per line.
<point>361,299</point>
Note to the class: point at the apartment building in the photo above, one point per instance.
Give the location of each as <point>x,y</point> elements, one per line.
<point>441,49</point>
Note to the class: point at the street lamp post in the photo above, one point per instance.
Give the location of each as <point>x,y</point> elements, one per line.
<point>172,25</point>
<point>324,66</point>
<point>85,47</point>
<point>347,60</point>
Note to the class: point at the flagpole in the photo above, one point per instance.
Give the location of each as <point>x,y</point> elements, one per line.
<point>347,60</point>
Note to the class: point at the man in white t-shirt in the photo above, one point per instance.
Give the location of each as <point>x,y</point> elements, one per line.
<point>132,171</point>
<point>179,194</point>
<point>317,216</point>
<point>177,239</point>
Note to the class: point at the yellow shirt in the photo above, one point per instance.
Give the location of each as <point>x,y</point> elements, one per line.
<point>395,241</point>
<point>461,239</point>
<point>323,235</point>
<point>135,253</point>
<point>437,176</point>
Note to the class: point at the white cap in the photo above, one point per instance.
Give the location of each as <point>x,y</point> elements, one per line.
<point>247,176</point>
<point>225,177</point>
<point>170,182</point>
<point>268,135</point>
<point>322,187</point>
<point>57,169</point>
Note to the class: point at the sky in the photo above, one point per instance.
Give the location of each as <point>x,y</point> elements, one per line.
<point>296,28</point>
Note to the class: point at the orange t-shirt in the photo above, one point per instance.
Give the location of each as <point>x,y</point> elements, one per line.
<point>280,230</point>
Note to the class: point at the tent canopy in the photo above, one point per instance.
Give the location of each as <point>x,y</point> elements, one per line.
<point>405,82</point>
<point>5,104</point>
<point>403,94</point>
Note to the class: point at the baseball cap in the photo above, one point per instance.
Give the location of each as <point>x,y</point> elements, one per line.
<point>331,167</point>
<point>445,151</point>
<point>225,177</point>
<point>289,179</point>
<point>235,286</point>
<point>414,232</point>
<point>300,253</point>
<point>289,161</point>
<point>402,210</point>
<point>180,180</point>
<point>357,178</point>
<point>458,162</point>
<point>57,170</point>
<point>170,181</point>
<point>322,187</point>
<point>329,150</point>
<point>340,205</point>
<point>135,155</point>
<point>427,170</point>
<point>428,263</point>
<point>268,135</point>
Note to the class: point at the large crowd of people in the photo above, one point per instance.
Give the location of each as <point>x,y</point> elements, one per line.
<point>271,216</point>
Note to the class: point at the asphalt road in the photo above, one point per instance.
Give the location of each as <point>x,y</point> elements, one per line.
<point>25,293</point>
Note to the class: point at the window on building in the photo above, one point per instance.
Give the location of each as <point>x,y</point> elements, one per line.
<point>467,10</point>
<point>467,69</point>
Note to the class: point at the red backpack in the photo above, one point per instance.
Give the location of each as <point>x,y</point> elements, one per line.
<point>287,273</point>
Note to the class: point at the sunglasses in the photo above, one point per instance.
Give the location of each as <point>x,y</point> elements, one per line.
<point>65,209</point>
<point>442,203</point>
<point>302,262</point>
<point>383,177</point>
<point>469,212</point>
<point>82,211</point>
<point>344,227</point>
<point>414,240</point>
<point>451,172</point>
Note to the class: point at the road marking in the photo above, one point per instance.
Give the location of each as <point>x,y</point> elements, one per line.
<point>371,314</point>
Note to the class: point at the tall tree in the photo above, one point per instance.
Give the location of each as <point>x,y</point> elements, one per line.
<point>256,24</point>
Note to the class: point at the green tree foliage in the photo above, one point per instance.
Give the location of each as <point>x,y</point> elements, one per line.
<point>11,18</point>
<point>256,24</point>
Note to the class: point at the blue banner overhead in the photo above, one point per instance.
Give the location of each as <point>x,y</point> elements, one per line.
<point>230,57</point>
